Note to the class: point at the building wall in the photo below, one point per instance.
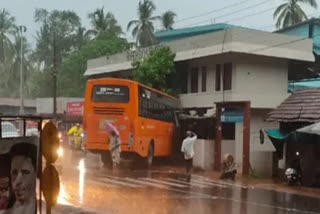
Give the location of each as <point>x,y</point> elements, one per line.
<point>261,155</point>
<point>45,105</point>
<point>204,154</point>
<point>15,110</point>
<point>261,80</point>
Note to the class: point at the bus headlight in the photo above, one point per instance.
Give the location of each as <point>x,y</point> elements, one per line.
<point>60,151</point>
<point>59,135</point>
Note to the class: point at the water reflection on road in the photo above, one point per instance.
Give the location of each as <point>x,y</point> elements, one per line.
<point>85,183</point>
<point>82,171</point>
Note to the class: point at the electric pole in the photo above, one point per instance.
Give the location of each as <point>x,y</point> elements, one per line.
<point>21,29</point>
<point>54,75</point>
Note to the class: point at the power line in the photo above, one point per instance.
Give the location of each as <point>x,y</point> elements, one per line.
<point>212,11</point>
<point>254,14</point>
<point>233,12</point>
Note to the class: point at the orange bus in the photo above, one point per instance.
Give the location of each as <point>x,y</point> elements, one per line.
<point>144,117</point>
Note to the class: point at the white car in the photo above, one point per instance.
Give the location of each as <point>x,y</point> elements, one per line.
<point>8,130</point>
<point>32,132</point>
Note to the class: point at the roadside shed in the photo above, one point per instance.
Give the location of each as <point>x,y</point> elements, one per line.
<point>301,109</point>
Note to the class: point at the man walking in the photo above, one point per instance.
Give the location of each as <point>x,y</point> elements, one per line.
<point>188,150</point>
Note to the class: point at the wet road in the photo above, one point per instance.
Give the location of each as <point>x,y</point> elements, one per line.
<point>86,184</point>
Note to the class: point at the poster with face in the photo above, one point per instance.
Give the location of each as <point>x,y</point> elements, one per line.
<point>18,173</point>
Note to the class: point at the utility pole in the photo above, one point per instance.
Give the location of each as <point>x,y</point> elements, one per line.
<point>54,75</point>
<point>22,29</point>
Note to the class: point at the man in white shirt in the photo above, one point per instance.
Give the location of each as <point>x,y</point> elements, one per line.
<point>188,150</point>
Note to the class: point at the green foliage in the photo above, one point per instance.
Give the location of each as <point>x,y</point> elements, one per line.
<point>10,57</point>
<point>57,32</point>
<point>291,13</point>
<point>167,20</point>
<point>60,34</point>
<point>71,81</point>
<point>40,83</point>
<point>143,28</point>
<point>7,29</point>
<point>156,69</point>
<point>103,24</point>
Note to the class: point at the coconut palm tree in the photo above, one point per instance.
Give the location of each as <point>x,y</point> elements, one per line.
<point>80,38</point>
<point>291,13</point>
<point>167,20</point>
<point>7,29</point>
<point>103,23</point>
<point>143,27</point>
<point>13,63</point>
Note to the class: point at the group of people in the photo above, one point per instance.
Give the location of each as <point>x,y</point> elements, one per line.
<point>18,179</point>
<point>228,167</point>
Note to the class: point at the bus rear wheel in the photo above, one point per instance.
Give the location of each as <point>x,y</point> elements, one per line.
<point>149,158</point>
<point>106,158</point>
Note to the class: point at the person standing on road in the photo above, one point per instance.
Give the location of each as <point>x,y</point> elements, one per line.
<point>188,149</point>
<point>76,132</point>
<point>115,150</point>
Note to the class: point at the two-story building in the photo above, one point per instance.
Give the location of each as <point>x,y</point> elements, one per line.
<point>241,74</point>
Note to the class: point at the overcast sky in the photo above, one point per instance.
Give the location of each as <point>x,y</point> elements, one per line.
<point>249,13</point>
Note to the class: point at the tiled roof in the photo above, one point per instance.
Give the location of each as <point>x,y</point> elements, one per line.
<point>301,106</point>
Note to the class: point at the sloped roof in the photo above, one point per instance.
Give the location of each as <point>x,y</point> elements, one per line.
<point>302,106</point>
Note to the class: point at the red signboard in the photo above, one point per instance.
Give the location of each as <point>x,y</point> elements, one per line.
<point>74,109</point>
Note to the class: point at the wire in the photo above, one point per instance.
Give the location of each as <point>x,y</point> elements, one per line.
<point>212,11</point>
<point>254,14</point>
<point>230,13</point>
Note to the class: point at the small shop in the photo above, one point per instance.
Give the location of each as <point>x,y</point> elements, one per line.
<point>297,141</point>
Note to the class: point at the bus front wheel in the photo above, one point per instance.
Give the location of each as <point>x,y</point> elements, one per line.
<point>149,158</point>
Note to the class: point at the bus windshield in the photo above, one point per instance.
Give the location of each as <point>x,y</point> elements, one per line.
<point>110,94</point>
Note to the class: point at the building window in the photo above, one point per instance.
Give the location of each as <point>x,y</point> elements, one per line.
<point>227,76</point>
<point>204,79</point>
<point>194,80</point>
<point>218,77</point>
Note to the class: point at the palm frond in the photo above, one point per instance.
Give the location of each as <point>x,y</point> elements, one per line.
<point>301,14</point>
<point>131,23</point>
<point>279,9</point>
<point>281,17</point>
<point>135,31</point>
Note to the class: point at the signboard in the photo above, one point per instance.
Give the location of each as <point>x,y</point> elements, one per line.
<point>231,116</point>
<point>18,173</point>
<point>74,108</point>
<point>140,53</point>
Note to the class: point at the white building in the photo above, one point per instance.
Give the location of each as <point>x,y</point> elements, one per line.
<point>231,65</point>
<point>45,105</point>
